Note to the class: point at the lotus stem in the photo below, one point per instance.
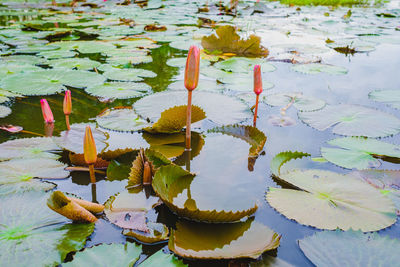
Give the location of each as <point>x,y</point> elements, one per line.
<point>94,193</point>
<point>284,109</point>
<point>67,122</point>
<point>92,174</point>
<point>48,129</point>
<point>188,120</point>
<point>255,111</point>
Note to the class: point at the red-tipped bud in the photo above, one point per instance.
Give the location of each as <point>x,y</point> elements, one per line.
<point>67,104</point>
<point>89,147</point>
<point>46,111</point>
<point>257,80</point>
<point>192,68</point>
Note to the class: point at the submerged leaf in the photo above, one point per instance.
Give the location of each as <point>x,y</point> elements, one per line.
<point>300,102</point>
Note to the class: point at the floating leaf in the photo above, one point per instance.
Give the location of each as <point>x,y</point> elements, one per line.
<point>248,239</point>
<point>36,235</point>
<point>4,111</point>
<point>5,96</point>
<point>156,232</point>
<point>132,75</point>
<point>119,90</point>
<point>314,68</point>
<point>344,202</point>
<point>27,168</point>
<point>283,157</point>
<point>37,147</point>
<point>121,120</point>
<point>219,108</point>
<point>251,135</point>
<point>360,153</point>
<point>107,255</point>
<point>173,119</point>
<point>74,63</point>
<point>352,120</point>
<point>351,46</point>
<point>389,97</point>
<point>226,40</point>
<point>162,259</point>
<point>300,102</point>
<point>244,65</point>
<point>351,248</point>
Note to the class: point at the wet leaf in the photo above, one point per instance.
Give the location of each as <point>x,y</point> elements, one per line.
<point>344,201</point>
<point>162,259</point>
<point>226,40</point>
<point>388,97</point>
<point>279,159</point>
<point>121,120</point>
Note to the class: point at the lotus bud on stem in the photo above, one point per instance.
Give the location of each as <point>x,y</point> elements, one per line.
<point>257,89</point>
<point>48,117</point>
<point>191,81</point>
<point>147,177</point>
<point>67,107</point>
<point>90,152</point>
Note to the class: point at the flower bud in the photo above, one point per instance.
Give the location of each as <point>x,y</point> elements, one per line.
<point>147,174</point>
<point>192,68</point>
<point>46,111</point>
<point>257,80</point>
<point>67,105</point>
<point>89,147</point>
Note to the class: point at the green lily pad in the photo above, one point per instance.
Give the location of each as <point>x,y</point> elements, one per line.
<point>85,47</point>
<point>121,120</point>
<point>248,239</point>
<point>106,255</point>
<point>352,120</point>
<point>4,111</point>
<point>74,63</point>
<point>300,102</point>
<point>46,82</point>
<point>329,200</point>
<point>56,54</point>
<point>11,68</point>
<point>314,68</point>
<point>244,65</point>
<point>389,97</point>
<point>280,159</point>
<point>351,248</point>
<point>156,232</point>
<point>219,108</point>
<point>129,75</point>
<point>36,147</point>
<point>162,259</point>
<point>359,153</point>
<point>35,234</point>
<point>15,187</point>
<point>5,96</point>
<point>119,90</point>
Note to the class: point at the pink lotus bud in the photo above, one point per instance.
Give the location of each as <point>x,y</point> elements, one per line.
<point>67,105</point>
<point>46,111</point>
<point>192,68</point>
<point>257,80</point>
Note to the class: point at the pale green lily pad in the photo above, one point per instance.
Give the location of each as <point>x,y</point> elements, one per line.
<point>121,120</point>
<point>130,74</point>
<point>300,102</point>
<point>219,108</point>
<point>162,259</point>
<point>389,97</point>
<point>33,235</point>
<point>350,248</point>
<point>86,47</point>
<point>15,187</point>
<point>119,90</point>
<point>314,68</point>
<point>281,158</point>
<point>352,120</point>
<point>46,82</point>
<point>5,96</point>
<point>4,111</point>
<point>17,67</point>
<point>351,46</point>
<point>36,147</point>
<point>247,239</point>
<point>74,63</point>
<point>329,200</point>
<point>56,54</point>
<point>105,255</point>
<point>359,153</point>
<point>244,65</point>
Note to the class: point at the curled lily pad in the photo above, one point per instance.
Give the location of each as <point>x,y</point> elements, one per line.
<point>360,153</point>
<point>106,255</point>
<point>251,135</point>
<point>300,102</point>
<point>156,232</point>
<point>162,259</point>
<point>248,239</point>
<point>37,235</point>
<point>389,97</point>
<point>119,90</point>
<point>283,157</point>
<point>314,68</point>
<point>344,201</point>
<point>4,111</point>
<point>352,120</point>
<point>37,147</point>
<point>173,119</point>
<point>353,248</point>
<point>219,108</point>
<point>121,120</point>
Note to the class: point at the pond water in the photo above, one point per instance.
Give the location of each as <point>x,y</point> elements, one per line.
<point>293,35</point>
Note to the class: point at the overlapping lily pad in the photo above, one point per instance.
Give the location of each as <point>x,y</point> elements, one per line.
<point>352,120</point>
<point>352,248</point>
<point>121,120</point>
<point>344,201</point>
<point>36,147</point>
<point>281,158</point>
<point>389,97</point>
<point>74,63</point>
<point>244,65</point>
<point>119,90</point>
<point>32,234</point>
<point>300,102</point>
<point>129,75</point>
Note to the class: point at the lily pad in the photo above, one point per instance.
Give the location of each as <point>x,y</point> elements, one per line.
<point>248,239</point>
<point>162,259</point>
<point>156,232</point>
<point>359,153</point>
<point>121,120</point>
<point>74,63</point>
<point>35,234</point>
<point>389,97</point>
<point>119,90</point>
<point>219,108</point>
<point>351,248</point>
<point>280,159</point>
<point>243,65</point>
<point>300,102</point>
<point>352,120</point>
<point>107,255</point>
<point>36,147</point>
<point>4,111</point>
<point>129,75</point>
<point>344,201</point>
<point>314,68</point>
<point>5,96</point>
